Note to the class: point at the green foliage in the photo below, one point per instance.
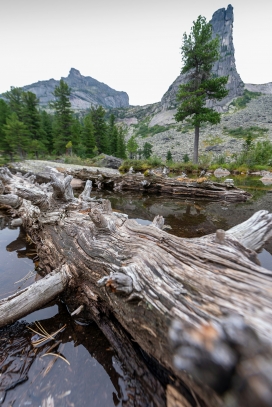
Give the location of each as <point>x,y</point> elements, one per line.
<point>186,158</point>
<point>258,156</point>
<point>155,161</point>
<point>132,147</point>
<point>138,165</point>
<point>16,136</point>
<point>121,144</point>
<point>4,113</point>
<point>100,130</point>
<point>63,117</point>
<point>47,130</point>
<point>181,166</point>
<point>252,131</point>
<point>147,150</point>
<point>199,51</point>
<point>220,160</point>
<point>204,160</point>
<point>116,138</point>
<point>31,116</point>
<point>88,138</point>
<point>212,140</point>
<point>24,129</point>
<point>242,101</point>
<point>141,165</point>
<point>14,100</point>
<point>144,131</point>
<point>169,157</point>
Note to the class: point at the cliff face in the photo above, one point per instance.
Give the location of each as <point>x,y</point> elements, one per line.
<point>222,24</point>
<point>85,92</point>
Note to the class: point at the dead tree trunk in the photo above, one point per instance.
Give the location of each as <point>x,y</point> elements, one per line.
<point>201,307</point>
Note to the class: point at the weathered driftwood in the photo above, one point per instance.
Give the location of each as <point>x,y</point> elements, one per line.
<point>33,297</point>
<point>201,188</point>
<point>201,307</point>
<point>155,182</point>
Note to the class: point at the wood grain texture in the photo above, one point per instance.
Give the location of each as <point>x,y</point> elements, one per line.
<point>201,307</point>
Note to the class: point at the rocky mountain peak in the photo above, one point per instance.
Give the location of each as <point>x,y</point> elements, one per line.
<point>222,25</point>
<point>74,72</point>
<point>85,92</point>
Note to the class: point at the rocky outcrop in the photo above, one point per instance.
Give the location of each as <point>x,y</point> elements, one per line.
<point>265,88</point>
<point>85,92</point>
<point>222,24</point>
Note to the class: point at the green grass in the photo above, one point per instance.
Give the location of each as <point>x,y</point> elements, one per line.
<point>243,100</point>
<point>241,132</point>
<point>212,140</point>
<point>142,129</point>
<point>254,157</point>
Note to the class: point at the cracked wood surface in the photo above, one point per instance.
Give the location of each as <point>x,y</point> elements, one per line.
<point>201,307</point>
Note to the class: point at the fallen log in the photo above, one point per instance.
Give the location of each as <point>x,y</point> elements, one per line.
<point>201,188</point>
<point>201,307</point>
<point>155,181</point>
<point>33,297</point>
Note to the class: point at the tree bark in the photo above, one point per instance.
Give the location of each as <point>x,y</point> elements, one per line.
<point>196,142</point>
<point>201,307</point>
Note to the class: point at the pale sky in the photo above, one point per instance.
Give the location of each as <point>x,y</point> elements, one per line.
<point>131,45</point>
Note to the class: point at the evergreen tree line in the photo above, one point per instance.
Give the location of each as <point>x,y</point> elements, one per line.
<point>25,129</point>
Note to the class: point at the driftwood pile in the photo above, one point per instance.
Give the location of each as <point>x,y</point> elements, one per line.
<point>200,309</point>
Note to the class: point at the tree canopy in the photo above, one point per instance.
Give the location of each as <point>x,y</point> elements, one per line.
<point>199,52</point>
<point>27,130</point>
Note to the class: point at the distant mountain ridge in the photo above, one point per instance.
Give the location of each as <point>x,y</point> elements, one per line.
<point>85,92</point>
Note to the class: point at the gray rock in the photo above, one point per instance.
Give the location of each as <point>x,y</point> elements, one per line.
<point>221,172</point>
<point>222,24</point>
<point>85,92</point>
<point>265,88</point>
<point>108,161</point>
<point>216,148</point>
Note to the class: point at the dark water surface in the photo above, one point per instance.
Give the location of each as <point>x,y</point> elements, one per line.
<point>94,376</point>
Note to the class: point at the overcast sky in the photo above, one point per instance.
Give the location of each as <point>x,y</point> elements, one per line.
<point>131,45</point>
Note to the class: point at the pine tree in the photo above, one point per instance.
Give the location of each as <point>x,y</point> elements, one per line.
<point>169,157</point>
<point>88,138</point>
<point>16,135</point>
<point>63,123</point>
<point>121,144</point>
<point>31,116</point>
<point>76,135</point>
<point>147,150</point>
<point>132,147</point>
<point>14,100</point>
<point>113,135</point>
<point>199,52</point>
<point>4,113</point>
<point>47,130</point>
<point>100,130</point>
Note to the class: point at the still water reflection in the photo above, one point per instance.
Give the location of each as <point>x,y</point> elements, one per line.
<point>90,375</point>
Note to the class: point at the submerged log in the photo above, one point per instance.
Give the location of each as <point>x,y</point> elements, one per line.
<point>201,307</point>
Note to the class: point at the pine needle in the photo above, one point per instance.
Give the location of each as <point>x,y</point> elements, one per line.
<point>44,334</point>
<point>57,355</point>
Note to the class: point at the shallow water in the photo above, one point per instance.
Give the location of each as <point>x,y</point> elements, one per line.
<point>94,376</point>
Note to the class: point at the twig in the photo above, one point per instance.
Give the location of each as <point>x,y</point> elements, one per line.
<point>29,275</point>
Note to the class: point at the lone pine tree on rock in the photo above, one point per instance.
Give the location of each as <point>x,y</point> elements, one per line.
<point>199,51</point>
